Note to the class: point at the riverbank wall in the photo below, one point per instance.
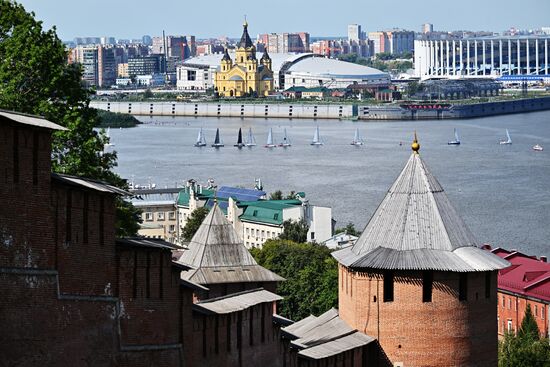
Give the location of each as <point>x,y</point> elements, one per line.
<point>201,109</point>
<point>441,111</point>
<point>408,111</point>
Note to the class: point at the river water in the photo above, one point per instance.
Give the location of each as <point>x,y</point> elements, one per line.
<point>501,191</point>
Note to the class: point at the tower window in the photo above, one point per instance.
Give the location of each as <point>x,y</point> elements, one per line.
<point>388,286</point>
<point>488,284</point>
<point>463,287</point>
<point>427,285</point>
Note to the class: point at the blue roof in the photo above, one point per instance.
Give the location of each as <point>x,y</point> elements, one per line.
<point>239,194</point>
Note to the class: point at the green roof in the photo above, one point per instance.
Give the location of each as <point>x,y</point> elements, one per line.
<point>266,211</point>
<point>183,196</point>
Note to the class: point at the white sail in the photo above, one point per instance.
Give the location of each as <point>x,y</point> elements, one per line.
<point>286,141</point>
<point>357,140</point>
<point>269,143</point>
<point>250,140</point>
<point>201,141</point>
<point>457,139</point>
<point>509,141</point>
<point>316,139</point>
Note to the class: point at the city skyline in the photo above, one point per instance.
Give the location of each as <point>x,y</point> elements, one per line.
<point>126,18</point>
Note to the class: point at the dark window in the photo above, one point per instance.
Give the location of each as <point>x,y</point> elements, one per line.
<point>161,272</point>
<point>216,334</point>
<point>101,221</point>
<point>15,155</point>
<point>388,286</point>
<point>68,216</point>
<point>488,284</point>
<point>251,326</point>
<point>148,276</point>
<point>264,306</point>
<point>35,142</point>
<point>85,209</point>
<point>204,336</point>
<point>427,283</point>
<point>228,331</point>
<point>135,274</point>
<point>463,286</point>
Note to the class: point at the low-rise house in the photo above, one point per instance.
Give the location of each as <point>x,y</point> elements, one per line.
<point>255,219</point>
<point>526,282</point>
<point>159,214</point>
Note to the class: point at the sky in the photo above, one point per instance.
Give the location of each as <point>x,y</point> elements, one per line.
<point>214,18</point>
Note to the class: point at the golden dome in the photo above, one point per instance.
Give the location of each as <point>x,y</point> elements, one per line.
<point>415,146</point>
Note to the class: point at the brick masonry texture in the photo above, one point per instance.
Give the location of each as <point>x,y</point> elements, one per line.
<point>444,332</point>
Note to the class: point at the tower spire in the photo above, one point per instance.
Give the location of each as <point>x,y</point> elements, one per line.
<point>415,146</point>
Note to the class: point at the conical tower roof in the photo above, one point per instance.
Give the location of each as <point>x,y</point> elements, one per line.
<point>217,255</point>
<point>416,228</point>
<point>245,41</point>
<point>226,56</point>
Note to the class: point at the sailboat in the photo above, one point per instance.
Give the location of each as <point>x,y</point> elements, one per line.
<point>538,148</point>
<point>357,140</point>
<point>508,141</point>
<point>316,140</point>
<point>270,143</point>
<point>109,144</point>
<point>286,141</point>
<point>201,141</point>
<point>456,141</point>
<point>240,143</point>
<point>250,141</point>
<point>217,141</point>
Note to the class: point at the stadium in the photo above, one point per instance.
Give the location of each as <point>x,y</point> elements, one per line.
<point>290,70</point>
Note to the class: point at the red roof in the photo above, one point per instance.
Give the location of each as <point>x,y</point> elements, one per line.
<point>527,276</point>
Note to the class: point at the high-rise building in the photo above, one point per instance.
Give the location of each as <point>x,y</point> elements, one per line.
<point>182,47</point>
<point>285,42</point>
<point>87,57</point>
<point>106,66</point>
<point>427,28</point>
<point>354,33</point>
<point>147,65</point>
<point>395,41</point>
<point>147,40</point>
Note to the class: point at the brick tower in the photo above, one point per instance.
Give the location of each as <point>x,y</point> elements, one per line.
<point>416,280</point>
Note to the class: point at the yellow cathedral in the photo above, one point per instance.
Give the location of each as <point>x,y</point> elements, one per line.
<point>244,77</point>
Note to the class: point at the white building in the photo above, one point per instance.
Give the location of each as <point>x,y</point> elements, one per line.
<point>354,33</point>
<point>482,56</point>
<point>255,219</point>
<point>194,77</point>
<point>289,69</point>
<point>153,80</point>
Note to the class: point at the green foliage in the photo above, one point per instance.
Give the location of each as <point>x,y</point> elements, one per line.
<point>276,195</point>
<point>35,78</point>
<point>112,119</point>
<point>295,231</point>
<point>193,223</point>
<point>311,274</point>
<point>529,328</point>
<point>349,229</point>
<point>527,348</point>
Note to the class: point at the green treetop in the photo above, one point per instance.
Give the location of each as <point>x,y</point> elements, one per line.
<point>35,78</point>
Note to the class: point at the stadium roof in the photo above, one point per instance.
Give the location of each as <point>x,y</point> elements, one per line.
<point>334,68</point>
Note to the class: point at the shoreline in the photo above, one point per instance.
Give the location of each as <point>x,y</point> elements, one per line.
<point>390,112</point>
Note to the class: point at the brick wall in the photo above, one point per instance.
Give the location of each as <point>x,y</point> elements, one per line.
<point>242,338</point>
<point>511,310</point>
<point>444,332</point>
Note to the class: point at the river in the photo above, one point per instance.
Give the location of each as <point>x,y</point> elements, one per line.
<point>501,191</point>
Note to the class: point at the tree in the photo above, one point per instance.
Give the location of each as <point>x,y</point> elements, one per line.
<point>529,328</point>
<point>276,195</point>
<point>527,348</point>
<point>35,78</point>
<point>349,229</point>
<point>193,223</point>
<point>311,274</point>
<point>294,231</point>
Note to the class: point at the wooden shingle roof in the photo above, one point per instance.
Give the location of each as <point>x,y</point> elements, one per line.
<point>217,255</point>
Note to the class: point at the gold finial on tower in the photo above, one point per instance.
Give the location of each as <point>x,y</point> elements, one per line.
<point>415,146</point>
<point>245,24</point>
